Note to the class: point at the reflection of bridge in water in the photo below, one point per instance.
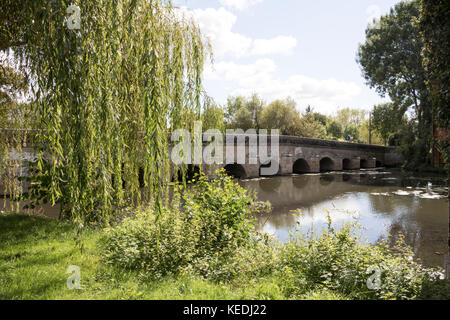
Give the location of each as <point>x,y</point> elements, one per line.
<point>311,188</point>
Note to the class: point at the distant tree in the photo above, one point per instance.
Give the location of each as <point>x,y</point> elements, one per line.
<point>255,106</point>
<point>317,116</point>
<point>334,130</point>
<point>242,112</point>
<point>386,120</point>
<point>367,134</point>
<point>234,104</point>
<point>308,110</point>
<point>391,62</point>
<point>282,115</point>
<point>309,127</point>
<point>213,117</point>
<point>348,117</point>
<point>243,120</point>
<point>352,133</point>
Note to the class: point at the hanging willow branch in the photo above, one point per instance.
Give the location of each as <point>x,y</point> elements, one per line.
<point>108,96</point>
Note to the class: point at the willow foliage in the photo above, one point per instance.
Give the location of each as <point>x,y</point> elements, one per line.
<point>108,94</point>
<point>13,115</point>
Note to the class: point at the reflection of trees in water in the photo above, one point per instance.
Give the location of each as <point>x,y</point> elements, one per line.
<point>383,205</point>
<point>269,185</point>
<point>421,224</point>
<point>365,179</point>
<point>404,229</point>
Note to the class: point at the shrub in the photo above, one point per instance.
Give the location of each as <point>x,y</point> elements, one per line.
<point>141,243</point>
<point>219,214</point>
<point>211,229</point>
<point>337,260</point>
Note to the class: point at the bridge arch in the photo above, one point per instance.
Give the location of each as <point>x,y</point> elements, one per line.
<point>326,164</point>
<point>364,164</point>
<point>346,164</point>
<point>301,166</point>
<point>236,170</point>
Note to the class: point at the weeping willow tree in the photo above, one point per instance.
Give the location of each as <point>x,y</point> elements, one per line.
<point>108,92</point>
<point>14,115</point>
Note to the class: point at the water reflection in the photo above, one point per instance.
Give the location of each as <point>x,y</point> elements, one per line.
<point>370,198</point>
<point>269,185</point>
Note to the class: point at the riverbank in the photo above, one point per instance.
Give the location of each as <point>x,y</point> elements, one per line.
<point>36,252</point>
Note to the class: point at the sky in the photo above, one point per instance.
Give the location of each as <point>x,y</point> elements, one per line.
<point>301,49</point>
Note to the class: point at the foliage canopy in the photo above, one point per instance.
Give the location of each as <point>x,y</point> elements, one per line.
<point>108,95</point>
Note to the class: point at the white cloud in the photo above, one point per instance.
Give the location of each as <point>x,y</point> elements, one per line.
<point>280,44</point>
<point>239,4</point>
<point>217,25</point>
<point>231,71</point>
<point>259,77</point>
<point>233,78</point>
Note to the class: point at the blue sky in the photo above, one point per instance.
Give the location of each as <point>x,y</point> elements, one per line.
<point>280,48</point>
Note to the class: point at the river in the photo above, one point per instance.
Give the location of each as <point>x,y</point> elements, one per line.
<point>383,202</point>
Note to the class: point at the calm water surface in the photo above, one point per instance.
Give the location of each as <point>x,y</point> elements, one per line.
<point>383,202</point>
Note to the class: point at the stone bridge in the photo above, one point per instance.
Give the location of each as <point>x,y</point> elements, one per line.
<point>296,155</point>
<point>304,155</point>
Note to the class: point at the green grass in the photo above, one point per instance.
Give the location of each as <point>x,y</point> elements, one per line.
<point>35,253</point>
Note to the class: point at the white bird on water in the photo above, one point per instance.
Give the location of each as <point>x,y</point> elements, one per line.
<point>429,186</point>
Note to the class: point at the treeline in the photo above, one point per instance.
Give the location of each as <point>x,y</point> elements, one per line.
<point>396,61</point>
<point>252,112</point>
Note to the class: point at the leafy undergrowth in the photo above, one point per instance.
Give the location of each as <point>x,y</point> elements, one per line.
<point>35,253</point>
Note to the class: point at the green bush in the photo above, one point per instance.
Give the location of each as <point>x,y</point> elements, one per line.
<point>158,247</point>
<point>211,228</point>
<point>337,260</point>
<point>219,214</point>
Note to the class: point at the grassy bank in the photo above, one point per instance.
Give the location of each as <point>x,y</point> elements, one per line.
<point>36,252</point>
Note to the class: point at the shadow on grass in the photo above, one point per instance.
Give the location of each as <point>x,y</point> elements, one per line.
<point>16,228</point>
